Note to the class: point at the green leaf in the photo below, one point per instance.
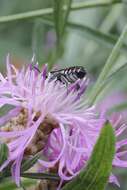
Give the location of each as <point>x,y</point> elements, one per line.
<point>116,71</point>
<point>28,163</point>
<point>111,77</point>
<point>108,68</point>
<point>7,184</point>
<point>3,153</point>
<point>98,36</point>
<point>99,166</point>
<point>107,40</point>
<point>41,176</point>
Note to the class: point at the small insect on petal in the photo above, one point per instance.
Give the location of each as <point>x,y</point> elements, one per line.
<point>68,75</point>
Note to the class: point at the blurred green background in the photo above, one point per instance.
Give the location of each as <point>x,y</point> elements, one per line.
<point>23,38</point>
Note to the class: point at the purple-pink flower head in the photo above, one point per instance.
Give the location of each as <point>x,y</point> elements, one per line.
<point>49,117</point>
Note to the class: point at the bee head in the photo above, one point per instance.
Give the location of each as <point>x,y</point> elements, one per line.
<point>81,73</point>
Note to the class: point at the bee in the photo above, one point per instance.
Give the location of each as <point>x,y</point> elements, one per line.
<point>68,75</point>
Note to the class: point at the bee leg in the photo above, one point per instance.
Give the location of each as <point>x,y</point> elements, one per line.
<point>77,86</point>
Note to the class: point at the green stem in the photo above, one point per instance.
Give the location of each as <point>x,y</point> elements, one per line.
<point>58,19</point>
<point>108,66</point>
<point>67,14</point>
<point>94,3</point>
<point>43,12</point>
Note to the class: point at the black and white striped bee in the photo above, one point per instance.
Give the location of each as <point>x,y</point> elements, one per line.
<point>68,75</point>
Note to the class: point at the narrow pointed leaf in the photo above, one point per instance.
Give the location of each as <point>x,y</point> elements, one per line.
<point>116,71</point>
<point>109,66</point>
<point>27,164</point>
<point>99,166</point>
<point>3,153</point>
<point>109,78</point>
<point>105,39</point>
<point>9,185</point>
<point>41,176</point>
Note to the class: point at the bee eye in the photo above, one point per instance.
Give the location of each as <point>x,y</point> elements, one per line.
<point>81,74</point>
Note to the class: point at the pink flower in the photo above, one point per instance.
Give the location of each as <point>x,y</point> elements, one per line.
<point>49,117</point>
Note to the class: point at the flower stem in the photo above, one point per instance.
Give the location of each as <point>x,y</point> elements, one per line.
<point>43,12</point>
